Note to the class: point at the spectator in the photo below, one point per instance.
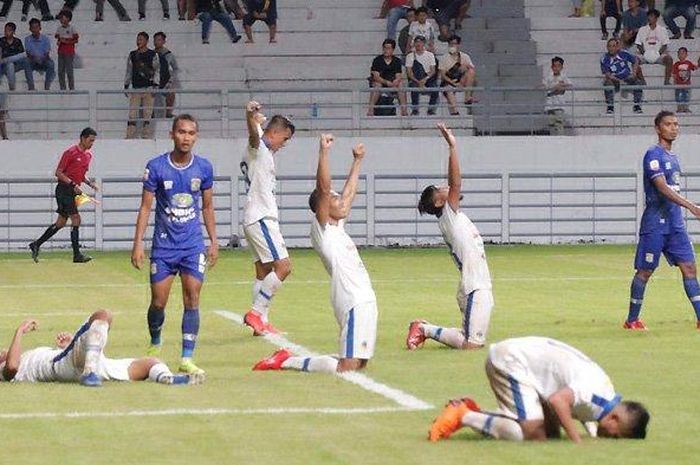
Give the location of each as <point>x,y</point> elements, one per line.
<point>620,66</point>
<point>211,10</point>
<point>423,28</point>
<point>142,73</point>
<point>404,37</point>
<point>38,48</point>
<point>387,72</point>
<point>682,70</point>
<point>265,11</point>
<point>186,9</point>
<point>556,83</point>
<point>420,68</point>
<point>41,4</point>
<point>632,19</point>
<point>168,74</point>
<point>676,8</point>
<point>67,37</point>
<point>394,11</point>
<point>100,8</point>
<point>610,8</point>
<point>457,71</point>
<point>163,4</point>
<point>444,11</point>
<point>232,7</point>
<point>578,8</point>
<point>652,43</point>
<point>14,58</point>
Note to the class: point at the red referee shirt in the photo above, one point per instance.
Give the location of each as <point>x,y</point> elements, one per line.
<point>75,163</point>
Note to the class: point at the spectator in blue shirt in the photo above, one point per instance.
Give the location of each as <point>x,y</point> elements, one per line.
<point>632,19</point>
<point>38,48</point>
<point>620,66</point>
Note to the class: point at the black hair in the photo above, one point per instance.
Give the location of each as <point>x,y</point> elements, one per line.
<point>143,34</point>
<point>422,10</point>
<point>661,115</point>
<point>653,12</point>
<point>639,419</point>
<point>410,9</point>
<point>11,25</point>
<point>611,40</point>
<point>419,39</point>
<point>391,42</point>
<point>683,48</point>
<point>87,132</point>
<point>280,121</point>
<point>558,59</point>
<point>160,33</point>
<point>313,200</point>
<point>34,21</point>
<point>426,204</point>
<point>185,117</point>
<point>67,13</point>
<point>456,38</point>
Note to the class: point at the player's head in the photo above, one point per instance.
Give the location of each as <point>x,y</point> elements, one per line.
<point>557,64</point>
<point>613,46</point>
<point>627,420</point>
<point>277,132</point>
<point>432,199</point>
<point>159,39</point>
<point>142,39</point>
<point>335,210</point>
<point>666,125</point>
<point>87,138</point>
<point>682,53</point>
<point>184,132</point>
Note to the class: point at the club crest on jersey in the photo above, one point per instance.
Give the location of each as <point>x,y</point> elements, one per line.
<point>195,184</point>
<point>654,165</point>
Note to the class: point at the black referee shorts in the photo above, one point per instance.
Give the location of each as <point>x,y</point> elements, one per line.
<point>65,198</point>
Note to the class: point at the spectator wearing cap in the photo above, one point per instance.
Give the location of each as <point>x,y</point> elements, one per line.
<point>421,70</point>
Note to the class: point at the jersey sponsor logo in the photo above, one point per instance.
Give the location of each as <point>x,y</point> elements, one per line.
<point>181,210</point>
<point>167,185</point>
<point>654,165</point>
<point>667,165</point>
<point>195,184</point>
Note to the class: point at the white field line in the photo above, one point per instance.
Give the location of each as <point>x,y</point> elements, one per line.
<point>31,314</point>
<point>403,399</point>
<point>203,412</point>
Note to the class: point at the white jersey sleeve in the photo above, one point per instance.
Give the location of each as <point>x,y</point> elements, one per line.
<point>258,168</point>
<point>36,365</point>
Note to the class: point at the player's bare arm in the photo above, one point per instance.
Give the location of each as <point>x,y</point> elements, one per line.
<point>350,187</point>
<point>323,179</point>
<point>14,352</point>
<point>454,176</point>
<point>251,109</point>
<point>210,225</point>
<point>561,402</point>
<point>137,252</point>
<point>666,190</point>
<point>61,176</point>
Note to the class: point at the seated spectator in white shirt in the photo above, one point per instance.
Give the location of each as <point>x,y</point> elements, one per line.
<point>457,71</point>
<point>420,68</point>
<point>652,44</point>
<point>424,28</point>
<point>557,83</point>
<point>387,72</point>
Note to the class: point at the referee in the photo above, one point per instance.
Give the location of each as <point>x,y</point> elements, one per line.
<point>71,173</point>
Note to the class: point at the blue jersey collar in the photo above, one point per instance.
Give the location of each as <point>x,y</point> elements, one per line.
<point>179,167</point>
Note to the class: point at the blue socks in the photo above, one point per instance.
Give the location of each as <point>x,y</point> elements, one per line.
<point>636,298</point>
<point>692,290</point>
<point>190,329</point>
<point>156,318</point>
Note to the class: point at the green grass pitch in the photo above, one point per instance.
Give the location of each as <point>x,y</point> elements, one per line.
<point>578,294</point>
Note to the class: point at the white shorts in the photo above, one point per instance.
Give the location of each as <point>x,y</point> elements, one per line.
<point>511,383</point>
<point>358,331</point>
<point>115,369</point>
<point>476,314</point>
<point>265,240</point>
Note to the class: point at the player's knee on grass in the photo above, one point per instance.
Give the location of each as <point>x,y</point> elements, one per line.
<point>351,364</point>
<point>102,314</point>
<point>283,268</point>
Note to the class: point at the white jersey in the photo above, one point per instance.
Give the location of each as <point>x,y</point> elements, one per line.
<point>258,167</point>
<point>350,284</point>
<point>467,249</point>
<point>549,366</point>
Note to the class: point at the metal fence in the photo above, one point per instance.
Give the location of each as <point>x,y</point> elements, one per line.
<point>545,208</point>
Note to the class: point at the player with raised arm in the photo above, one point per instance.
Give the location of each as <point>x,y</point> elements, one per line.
<point>352,296</point>
<point>80,358</point>
<point>177,180</point>
<point>542,385</point>
<point>474,295</point>
<point>260,213</point>
<point>662,229</point>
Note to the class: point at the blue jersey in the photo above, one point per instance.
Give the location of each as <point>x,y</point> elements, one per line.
<point>619,65</point>
<point>661,215</point>
<point>178,191</point>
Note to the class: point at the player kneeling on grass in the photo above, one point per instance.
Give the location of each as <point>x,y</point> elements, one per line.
<point>541,385</point>
<point>81,358</point>
<point>352,296</point>
<point>474,295</point>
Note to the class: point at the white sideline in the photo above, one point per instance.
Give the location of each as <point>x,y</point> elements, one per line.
<point>30,314</point>
<point>404,399</point>
<point>212,411</point>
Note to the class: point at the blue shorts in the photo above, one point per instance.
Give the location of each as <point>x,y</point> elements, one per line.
<point>675,246</point>
<point>169,263</point>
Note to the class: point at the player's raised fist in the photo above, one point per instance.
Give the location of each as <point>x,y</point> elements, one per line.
<point>358,151</point>
<point>447,134</point>
<point>28,326</point>
<point>252,106</point>
<point>326,141</point>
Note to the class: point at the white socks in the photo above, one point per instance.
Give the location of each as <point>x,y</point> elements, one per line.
<point>320,364</point>
<point>496,426</point>
<point>451,337</point>
<point>95,341</point>
<point>257,285</point>
<point>159,373</point>
<point>268,289</point>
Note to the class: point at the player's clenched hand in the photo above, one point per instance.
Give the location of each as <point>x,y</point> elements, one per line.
<point>27,326</point>
<point>447,134</point>
<point>137,255</point>
<point>212,255</point>
<point>252,106</point>
<point>326,141</point>
<point>695,210</point>
<point>358,151</point>
<point>63,339</point>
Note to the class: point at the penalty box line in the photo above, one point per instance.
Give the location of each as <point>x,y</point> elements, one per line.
<point>404,400</point>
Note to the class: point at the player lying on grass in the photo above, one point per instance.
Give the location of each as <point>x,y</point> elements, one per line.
<point>541,385</point>
<point>81,358</point>
<point>352,296</point>
<point>467,248</point>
